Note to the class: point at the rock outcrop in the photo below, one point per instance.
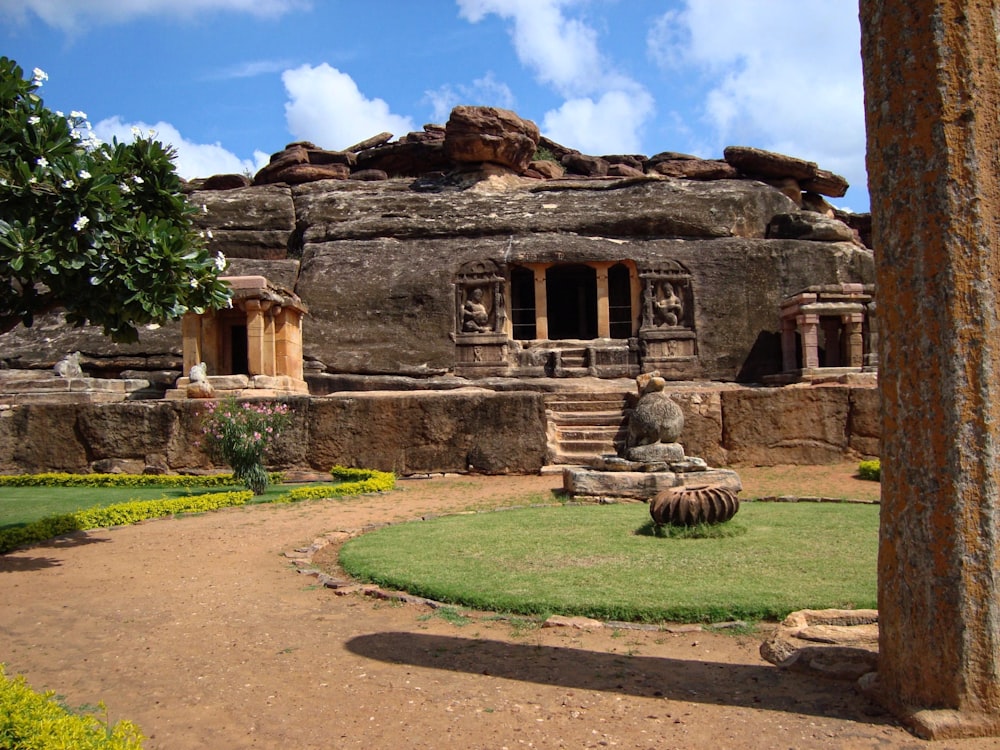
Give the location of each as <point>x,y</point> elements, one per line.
<point>372,237</point>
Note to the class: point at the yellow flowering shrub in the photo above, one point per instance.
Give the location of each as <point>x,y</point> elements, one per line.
<point>35,721</point>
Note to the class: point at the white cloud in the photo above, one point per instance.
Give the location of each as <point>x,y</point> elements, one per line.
<point>784,75</point>
<point>605,111</point>
<point>71,15</point>
<point>610,125</point>
<point>326,107</point>
<point>561,51</point>
<point>484,92</point>
<point>193,159</point>
<point>251,69</point>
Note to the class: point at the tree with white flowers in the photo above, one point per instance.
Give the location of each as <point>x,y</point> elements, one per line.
<point>100,231</point>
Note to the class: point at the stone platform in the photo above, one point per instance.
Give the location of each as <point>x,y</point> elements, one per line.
<point>641,486</point>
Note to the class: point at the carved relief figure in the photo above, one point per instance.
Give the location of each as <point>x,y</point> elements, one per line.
<point>669,308</point>
<point>475,316</point>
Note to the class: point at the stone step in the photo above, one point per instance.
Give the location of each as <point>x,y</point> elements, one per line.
<point>586,432</point>
<point>596,418</point>
<point>592,404</point>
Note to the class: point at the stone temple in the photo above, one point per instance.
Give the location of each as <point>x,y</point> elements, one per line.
<point>476,296</point>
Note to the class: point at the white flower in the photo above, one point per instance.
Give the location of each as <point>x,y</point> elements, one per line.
<point>80,223</point>
<point>3,182</point>
<point>125,188</point>
<point>136,133</point>
<point>34,120</point>
<point>137,179</point>
<point>67,184</point>
<point>221,262</point>
<point>38,75</point>
<point>42,162</point>
<point>193,283</point>
<point>152,133</point>
<point>94,281</point>
<point>59,113</point>
<point>84,174</point>
<point>78,115</point>
<point>209,234</point>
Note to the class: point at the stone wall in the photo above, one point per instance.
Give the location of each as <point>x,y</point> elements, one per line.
<point>467,429</point>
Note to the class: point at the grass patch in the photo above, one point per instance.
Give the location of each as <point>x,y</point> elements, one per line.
<point>22,505</point>
<point>596,561</point>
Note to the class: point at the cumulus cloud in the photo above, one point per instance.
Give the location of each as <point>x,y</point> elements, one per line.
<point>484,92</point>
<point>193,159</point>
<point>801,93</point>
<point>326,107</point>
<point>610,125</point>
<point>71,15</point>
<point>562,52</point>
<point>604,111</point>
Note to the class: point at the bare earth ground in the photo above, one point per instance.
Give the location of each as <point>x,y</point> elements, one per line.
<point>201,631</point>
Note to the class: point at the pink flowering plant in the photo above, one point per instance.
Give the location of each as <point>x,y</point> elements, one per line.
<point>241,434</point>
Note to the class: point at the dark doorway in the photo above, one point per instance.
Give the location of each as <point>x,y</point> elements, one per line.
<point>239,349</point>
<point>571,298</point>
<point>522,303</point>
<point>619,301</point>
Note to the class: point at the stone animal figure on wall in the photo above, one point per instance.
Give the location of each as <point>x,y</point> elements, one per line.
<point>69,366</point>
<point>656,418</point>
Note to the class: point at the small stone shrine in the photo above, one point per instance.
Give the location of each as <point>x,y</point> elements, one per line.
<point>253,348</point>
<point>653,458</point>
<point>827,329</point>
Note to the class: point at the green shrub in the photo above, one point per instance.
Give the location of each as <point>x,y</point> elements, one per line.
<point>119,514</point>
<point>362,481</point>
<point>62,479</point>
<point>871,470</point>
<point>35,721</point>
<point>544,154</point>
<point>352,482</point>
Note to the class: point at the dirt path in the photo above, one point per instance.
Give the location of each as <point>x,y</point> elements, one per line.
<point>201,631</point>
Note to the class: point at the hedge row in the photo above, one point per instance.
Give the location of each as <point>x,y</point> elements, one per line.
<point>353,482</point>
<point>119,514</point>
<point>35,721</point>
<point>58,479</point>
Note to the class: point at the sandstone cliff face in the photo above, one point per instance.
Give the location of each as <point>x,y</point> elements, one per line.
<point>374,254</point>
<point>375,263</point>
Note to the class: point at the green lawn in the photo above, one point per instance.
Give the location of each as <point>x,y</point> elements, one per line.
<point>602,561</point>
<point>23,505</point>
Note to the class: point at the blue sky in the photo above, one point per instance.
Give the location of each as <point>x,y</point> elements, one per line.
<point>229,82</point>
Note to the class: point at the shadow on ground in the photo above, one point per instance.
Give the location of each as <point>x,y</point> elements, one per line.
<point>694,680</point>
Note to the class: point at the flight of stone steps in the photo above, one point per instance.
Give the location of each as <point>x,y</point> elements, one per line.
<point>583,425</point>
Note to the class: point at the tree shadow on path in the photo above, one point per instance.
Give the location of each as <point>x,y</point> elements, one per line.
<point>694,680</point>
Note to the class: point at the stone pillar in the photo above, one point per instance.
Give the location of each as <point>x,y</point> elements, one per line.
<point>853,327</point>
<point>191,336</point>
<point>255,336</point>
<point>932,99</point>
<point>541,305</point>
<point>603,305</point>
<point>809,329</point>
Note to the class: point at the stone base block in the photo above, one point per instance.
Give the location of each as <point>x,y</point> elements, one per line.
<point>933,724</point>
<point>641,485</point>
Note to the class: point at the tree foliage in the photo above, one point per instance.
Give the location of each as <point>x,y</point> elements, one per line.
<point>100,230</point>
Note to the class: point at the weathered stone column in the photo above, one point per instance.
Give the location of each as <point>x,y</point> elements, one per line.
<point>932,90</point>
<point>809,330</point>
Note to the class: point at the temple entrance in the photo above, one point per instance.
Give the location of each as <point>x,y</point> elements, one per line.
<point>571,300</point>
